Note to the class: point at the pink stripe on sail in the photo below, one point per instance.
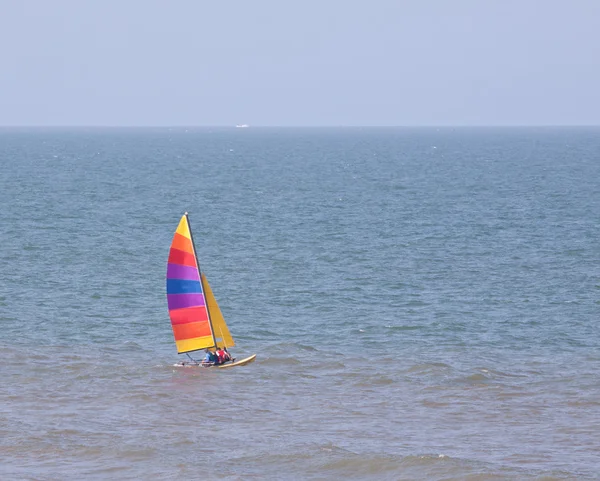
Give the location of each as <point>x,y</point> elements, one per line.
<point>176,271</point>
<point>179,301</point>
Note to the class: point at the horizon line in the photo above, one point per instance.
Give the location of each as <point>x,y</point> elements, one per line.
<point>262,126</point>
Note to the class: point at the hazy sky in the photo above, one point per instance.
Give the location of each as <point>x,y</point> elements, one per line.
<point>292,62</point>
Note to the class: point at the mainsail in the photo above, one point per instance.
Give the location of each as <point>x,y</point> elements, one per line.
<point>195,315</point>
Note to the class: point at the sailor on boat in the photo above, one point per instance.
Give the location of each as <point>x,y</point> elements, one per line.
<point>211,358</point>
<point>223,355</point>
<point>219,356</point>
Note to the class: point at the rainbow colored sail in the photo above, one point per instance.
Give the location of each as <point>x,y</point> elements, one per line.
<point>190,299</point>
<point>185,296</point>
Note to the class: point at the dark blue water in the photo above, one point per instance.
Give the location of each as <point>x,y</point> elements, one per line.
<point>423,303</point>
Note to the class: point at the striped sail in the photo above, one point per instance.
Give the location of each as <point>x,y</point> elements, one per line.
<point>185,296</point>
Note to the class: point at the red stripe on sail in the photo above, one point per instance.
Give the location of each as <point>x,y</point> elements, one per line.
<point>182,258</point>
<point>187,315</point>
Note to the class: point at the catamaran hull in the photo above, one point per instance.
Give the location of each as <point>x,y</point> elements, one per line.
<point>241,362</point>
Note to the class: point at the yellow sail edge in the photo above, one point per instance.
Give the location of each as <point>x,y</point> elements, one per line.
<point>220,329</point>
<point>194,344</point>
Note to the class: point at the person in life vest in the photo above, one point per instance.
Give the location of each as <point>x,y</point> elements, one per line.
<point>211,358</point>
<point>223,355</point>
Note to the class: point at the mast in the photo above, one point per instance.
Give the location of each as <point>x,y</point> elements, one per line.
<point>212,331</point>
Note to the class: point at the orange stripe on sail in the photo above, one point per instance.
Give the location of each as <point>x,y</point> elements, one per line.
<point>182,243</point>
<point>191,330</point>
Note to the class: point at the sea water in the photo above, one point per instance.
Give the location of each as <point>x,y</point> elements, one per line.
<point>424,303</point>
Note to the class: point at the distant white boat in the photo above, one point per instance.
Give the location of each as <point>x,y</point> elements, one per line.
<point>242,126</point>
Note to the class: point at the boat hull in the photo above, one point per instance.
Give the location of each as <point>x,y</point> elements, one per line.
<point>241,362</point>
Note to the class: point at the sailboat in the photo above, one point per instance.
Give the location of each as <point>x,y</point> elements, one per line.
<point>195,316</point>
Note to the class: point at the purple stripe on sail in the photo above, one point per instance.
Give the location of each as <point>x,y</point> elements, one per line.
<point>179,301</point>
<point>175,271</point>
